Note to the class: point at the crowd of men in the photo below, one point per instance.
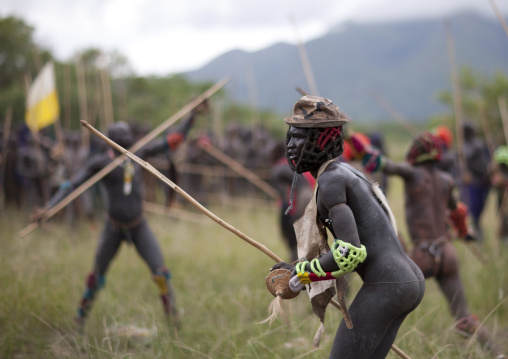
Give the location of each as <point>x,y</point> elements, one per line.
<point>34,168</point>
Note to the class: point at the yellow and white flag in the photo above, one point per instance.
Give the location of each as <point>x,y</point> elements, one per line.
<point>42,107</point>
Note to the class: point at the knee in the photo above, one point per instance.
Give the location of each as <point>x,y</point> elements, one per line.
<point>161,277</point>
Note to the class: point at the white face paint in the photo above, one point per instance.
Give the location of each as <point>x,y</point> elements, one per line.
<point>128,173</point>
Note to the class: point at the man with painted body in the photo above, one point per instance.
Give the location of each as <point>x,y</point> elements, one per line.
<point>365,238</point>
<point>430,206</point>
<point>475,186</point>
<point>125,216</point>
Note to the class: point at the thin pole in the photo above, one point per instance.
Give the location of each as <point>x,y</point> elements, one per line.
<point>499,16</point>
<point>117,161</point>
<point>408,126</point>
<point>174,212</point>
<point>457,101</point>
<point>5,140</point>
<point>67,98</point>
<point>307,69</point>
<point>177,189</point>
<point>38,150</point>
<point>83,101</point>
<point>108,100</point>
<point>240,169</point>
<point>504,115</point>
<point>485,124</point>
<point>210,214</point>
<point>253,96</point>
<point>301,91</point>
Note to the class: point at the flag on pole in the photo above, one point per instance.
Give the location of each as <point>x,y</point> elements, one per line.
<point>42,107</point>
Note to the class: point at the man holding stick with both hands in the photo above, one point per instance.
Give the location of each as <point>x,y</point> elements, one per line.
<point>355,211</point>
<point>125,218</point>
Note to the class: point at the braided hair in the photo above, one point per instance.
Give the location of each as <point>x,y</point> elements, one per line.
<point>321,145</point>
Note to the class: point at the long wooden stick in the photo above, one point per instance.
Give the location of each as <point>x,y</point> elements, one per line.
<point>499,16</point>
<point>408,126</point>
<point>301,91</point>
<point>5,142</point>
<point>37,146</point>
<point>180,191</point>
<point>501,101</point>
<point>83,101</point>
<point>457,101</point>
<point>108,102</point>
<point>218,220</point>
<point>174,212</point>
<point>307,69</point>
<point>485,125</point>
<point>240,169</point>
<point>143,141</point>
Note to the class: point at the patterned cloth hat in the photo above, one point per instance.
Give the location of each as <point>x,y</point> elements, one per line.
<point>313,111</point>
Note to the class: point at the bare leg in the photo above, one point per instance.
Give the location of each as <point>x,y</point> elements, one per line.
<point>377,311</point>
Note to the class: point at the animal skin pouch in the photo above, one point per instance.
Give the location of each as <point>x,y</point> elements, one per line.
<point>312,243</point>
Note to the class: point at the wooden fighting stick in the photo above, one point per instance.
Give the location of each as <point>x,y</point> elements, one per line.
<point>240,169</point>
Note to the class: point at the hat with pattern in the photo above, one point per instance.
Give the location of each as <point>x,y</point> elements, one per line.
<point>313,111</point>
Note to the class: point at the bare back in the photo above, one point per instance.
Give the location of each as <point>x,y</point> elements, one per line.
<point>428,194</point>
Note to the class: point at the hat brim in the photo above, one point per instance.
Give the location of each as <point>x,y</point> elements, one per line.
<point>315,123</point>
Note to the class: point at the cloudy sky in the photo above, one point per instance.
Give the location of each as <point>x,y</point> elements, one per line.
<point>165,36</point>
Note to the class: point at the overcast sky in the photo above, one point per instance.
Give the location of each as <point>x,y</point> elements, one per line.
<point>163,36</point>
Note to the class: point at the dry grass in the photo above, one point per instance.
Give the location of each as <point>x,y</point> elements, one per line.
<point>221,294</point>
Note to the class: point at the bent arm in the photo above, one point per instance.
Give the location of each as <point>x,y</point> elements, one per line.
<point>92,167</point>
<point>332,205</point>
<point>171,141</point>
<point>401,169</point>
<point>344,228</point>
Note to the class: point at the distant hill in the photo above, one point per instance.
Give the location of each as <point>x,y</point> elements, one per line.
<point>405,62</point>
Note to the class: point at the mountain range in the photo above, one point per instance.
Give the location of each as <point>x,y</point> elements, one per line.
<point>366,68</point>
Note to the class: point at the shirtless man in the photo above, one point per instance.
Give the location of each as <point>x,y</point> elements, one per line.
<point>125,219</point>
<point>429,206</point>
<point>365,239</point>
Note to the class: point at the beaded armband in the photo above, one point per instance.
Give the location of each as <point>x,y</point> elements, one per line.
<point>347,257</point>
<point>316,274</point>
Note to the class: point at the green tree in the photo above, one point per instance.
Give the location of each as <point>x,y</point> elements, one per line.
<point>479,103</point>
<point>20,60</point>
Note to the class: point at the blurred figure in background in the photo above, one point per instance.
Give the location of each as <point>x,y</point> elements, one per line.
<point>448,155</point>
<point>125,219</point>
<point>499,180</point>
<point>430,205</point>
<point>475,185</point>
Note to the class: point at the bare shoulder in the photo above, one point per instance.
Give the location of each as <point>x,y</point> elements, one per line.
<point>335,175</point>
<point>446,177</point>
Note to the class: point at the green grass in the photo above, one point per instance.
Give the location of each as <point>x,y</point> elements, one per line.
<point>219,283</point>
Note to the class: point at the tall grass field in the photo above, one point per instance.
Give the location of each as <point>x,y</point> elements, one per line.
<point>221,295</point>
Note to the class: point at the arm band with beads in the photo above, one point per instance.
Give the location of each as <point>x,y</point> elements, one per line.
<point>346,256</point>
